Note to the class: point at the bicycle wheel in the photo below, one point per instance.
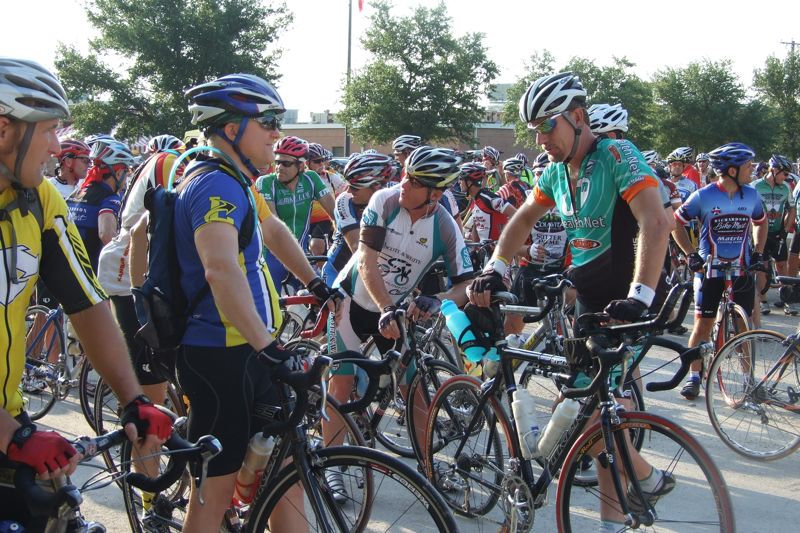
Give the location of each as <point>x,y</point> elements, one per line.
<point>435,347</point>
<point>691,496</point>
<point>42,378</point>
<point>147,512</point>
<point>420,394</point>
<point>353,436</point>
<point>733,321</point>
<point>383,494</point>
<point>87,385</point>
<point>753,395</point>
<point>469,480</point>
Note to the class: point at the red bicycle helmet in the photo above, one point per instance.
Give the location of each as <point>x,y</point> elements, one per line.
<point>293,146</point>
<point>73,148</point>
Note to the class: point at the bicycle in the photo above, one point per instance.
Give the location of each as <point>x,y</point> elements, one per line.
<point>479,460</point>
<point>731,318</point>
<point>753,392</point>
<point>380,490</point>
<point>45,381</point>
<point>57,503</point>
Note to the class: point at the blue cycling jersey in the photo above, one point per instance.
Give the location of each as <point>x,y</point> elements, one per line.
<point>725,223</point>
<point>85,207</point>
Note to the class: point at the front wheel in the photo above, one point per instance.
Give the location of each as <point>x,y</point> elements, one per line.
<point>377,493</point>
<point>753,395</point>
<point>684,487</point>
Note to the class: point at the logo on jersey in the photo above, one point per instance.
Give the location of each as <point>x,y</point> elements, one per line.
<point>466,262</point>
<point>219,210</point>
<point>585,244</point>
<point>716,210</point>
<point>423,241</point>
<point>395,266</point>
<point>582,188</point>
<point>370,218</point>
<point>27,267</point>
<point>730,228</point>
<point>613,150</point>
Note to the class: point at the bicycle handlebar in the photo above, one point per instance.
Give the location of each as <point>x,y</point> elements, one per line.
<point>687,357</point>
<point>375,371</point>
<point>300,382</point>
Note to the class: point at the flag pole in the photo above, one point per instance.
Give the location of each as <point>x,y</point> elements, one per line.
<point>349,47</point>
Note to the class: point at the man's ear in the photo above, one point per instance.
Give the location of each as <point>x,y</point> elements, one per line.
<point>231,129</point>
<point>8,134</point>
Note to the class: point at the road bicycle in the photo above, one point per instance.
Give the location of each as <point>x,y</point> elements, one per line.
<point>753,392</point>
<point>381,493</point>
<point>54,364</point>
<point>474,455</point>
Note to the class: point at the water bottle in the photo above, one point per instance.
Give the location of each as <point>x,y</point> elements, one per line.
<point>255,460</point>
<point>562,417</point>
<point>515,340</point>
<point>457,322</point>
<point>524,410</point>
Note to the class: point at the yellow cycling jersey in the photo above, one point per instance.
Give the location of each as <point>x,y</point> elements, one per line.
<point>53,251</point>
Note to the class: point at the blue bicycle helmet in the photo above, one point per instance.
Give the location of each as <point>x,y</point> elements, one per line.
<point>780,162</point>
<point>730,155</point>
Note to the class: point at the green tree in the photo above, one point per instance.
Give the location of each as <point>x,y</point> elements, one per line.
<point>779,84</point>
<point>704,105</point>
<point>149,51</point>
<point>422,79</point>
<point>612,85</point>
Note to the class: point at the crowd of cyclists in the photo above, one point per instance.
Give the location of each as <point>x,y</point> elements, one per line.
<point>256,211</point>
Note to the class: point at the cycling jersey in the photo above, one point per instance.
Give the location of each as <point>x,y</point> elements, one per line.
<point>348,216</point>
<point>293,207</point>
<point>685,187</point>
<point>85,207</point>
<point>335,185</point>
<point>214,196</point>
<point>527,177</point>
<point>691,173</point>
<point>514,192</point>
<point>488,215</point>
<point>598,220</point>
<point>670,194</point>
<point>725,223</point>
<point>56,253</point>
<point>775,200</point>
<point>549,232</point>
<point>63,188</point>
<point>407,250</point>
<point>795,203</point>
<point>448,201</point>
<point>493,179</point>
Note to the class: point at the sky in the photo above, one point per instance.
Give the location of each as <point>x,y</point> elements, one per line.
<point>654,34</point>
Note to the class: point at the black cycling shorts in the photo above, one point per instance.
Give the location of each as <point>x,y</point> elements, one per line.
<point>147,371</point>
<point>708,293</point>
<point>522,285</point>
<point>320,229</point>
<point>44,296</point>
<point>776,247</point>
<point>795,248</point>
<point>231,396</point>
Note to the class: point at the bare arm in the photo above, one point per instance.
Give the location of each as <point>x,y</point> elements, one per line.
<point>760,236</point>
<point>371,276</point>
<point>328,204</point>
<point>653,235</point>
<point>519,227</point>
<point>351,238</point>
<point>457,293</point>
<point>138,251</point>
<point>681,237</point>
<point>106,227</point>
<point>218,247</point>
<point>282,243</point>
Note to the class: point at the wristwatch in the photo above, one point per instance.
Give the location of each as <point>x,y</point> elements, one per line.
<point>22,434</point>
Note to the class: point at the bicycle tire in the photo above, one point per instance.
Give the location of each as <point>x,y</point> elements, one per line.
<point>435,347</point>
<point>728,327</point>
<point>698,501</point>
<point>87,386</point>
<point>436,374</point>
<point>455,402</point>
<point>40,384</point>
<point>429,513</point>
<point>746,415</point>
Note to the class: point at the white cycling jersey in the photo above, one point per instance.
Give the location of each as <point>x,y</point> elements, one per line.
<point>408,250</point>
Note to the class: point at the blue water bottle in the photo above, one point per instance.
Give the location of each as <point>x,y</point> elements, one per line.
<point>457,322</point>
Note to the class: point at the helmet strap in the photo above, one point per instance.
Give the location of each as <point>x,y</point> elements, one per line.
<point>576,139</point>
<point>235,145</point>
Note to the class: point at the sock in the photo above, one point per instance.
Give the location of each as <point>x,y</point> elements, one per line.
<point>147,500</point>
<point>694,376</point>
<point>606,526</point>
<point>650,483</point>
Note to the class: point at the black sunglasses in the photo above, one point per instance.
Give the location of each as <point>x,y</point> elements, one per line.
<point>285,163</point>
<point>269,122</point>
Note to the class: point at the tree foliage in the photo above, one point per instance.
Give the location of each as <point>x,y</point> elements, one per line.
<point>149,51</point>
<point>422,79</point>
<point>779,84</point>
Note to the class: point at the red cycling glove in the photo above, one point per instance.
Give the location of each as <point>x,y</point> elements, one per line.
<point>46,451</point>
<point>148,419</point>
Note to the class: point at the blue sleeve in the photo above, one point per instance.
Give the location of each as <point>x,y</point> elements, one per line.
<point>692,208</point>
<point>218,199</point>
<point>110,203</point>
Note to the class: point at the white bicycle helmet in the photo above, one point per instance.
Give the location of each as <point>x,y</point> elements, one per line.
<point>365,170</point>
<point>163,142</point>
<point>513,165</point>
<point>111,153</point>
<point>550,95</point>
<point>29,92</point>
<point>683,154</point>
<point>604,118</point>
<point>433,167</point>
<point>406,142</point>
<point>651,157</point>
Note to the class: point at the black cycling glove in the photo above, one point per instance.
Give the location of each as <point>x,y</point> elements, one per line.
<point>695,262</point>
<point>628,310</point>
<point>427,304</point>
<point>389,314</point>
<point>318,288</point>
<point>488,281</point>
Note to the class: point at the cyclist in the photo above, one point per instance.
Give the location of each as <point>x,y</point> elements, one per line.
<point>402,147</point>
<point>726,210</point>
<point>404,231</point>
<point>677,165</point>
<point>321,226</point>
<point>527,176</point>
<point>289,194</point>
<point>490,212</point>
<point>491,160</point>
<point>514,191</point>
<point>73,162</point>
<point>775,194</point>
<point>365,174</point>
<point>539,165</point>
<point>679,162</point>
<point>703,165</point>
<point>230,334</point>
<point>600,215</point>
<point>608,120</point>
<point>165,142</point>
<point>94,207</point>
<point>47,245</point>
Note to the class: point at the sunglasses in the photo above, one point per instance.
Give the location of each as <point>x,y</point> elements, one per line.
<point>545,127</point>
<point>316,161</point>
<point>285,163</point>
<point>269,122</point>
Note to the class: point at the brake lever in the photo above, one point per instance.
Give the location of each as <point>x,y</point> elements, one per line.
<point>210,448</point>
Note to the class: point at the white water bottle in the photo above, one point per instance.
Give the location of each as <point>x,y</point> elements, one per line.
<point>515,340</point>
<point>562,417</point>
<point>524,410</point>
<point>255,460</point>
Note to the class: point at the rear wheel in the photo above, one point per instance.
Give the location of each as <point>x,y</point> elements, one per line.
<point>43,378</point>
